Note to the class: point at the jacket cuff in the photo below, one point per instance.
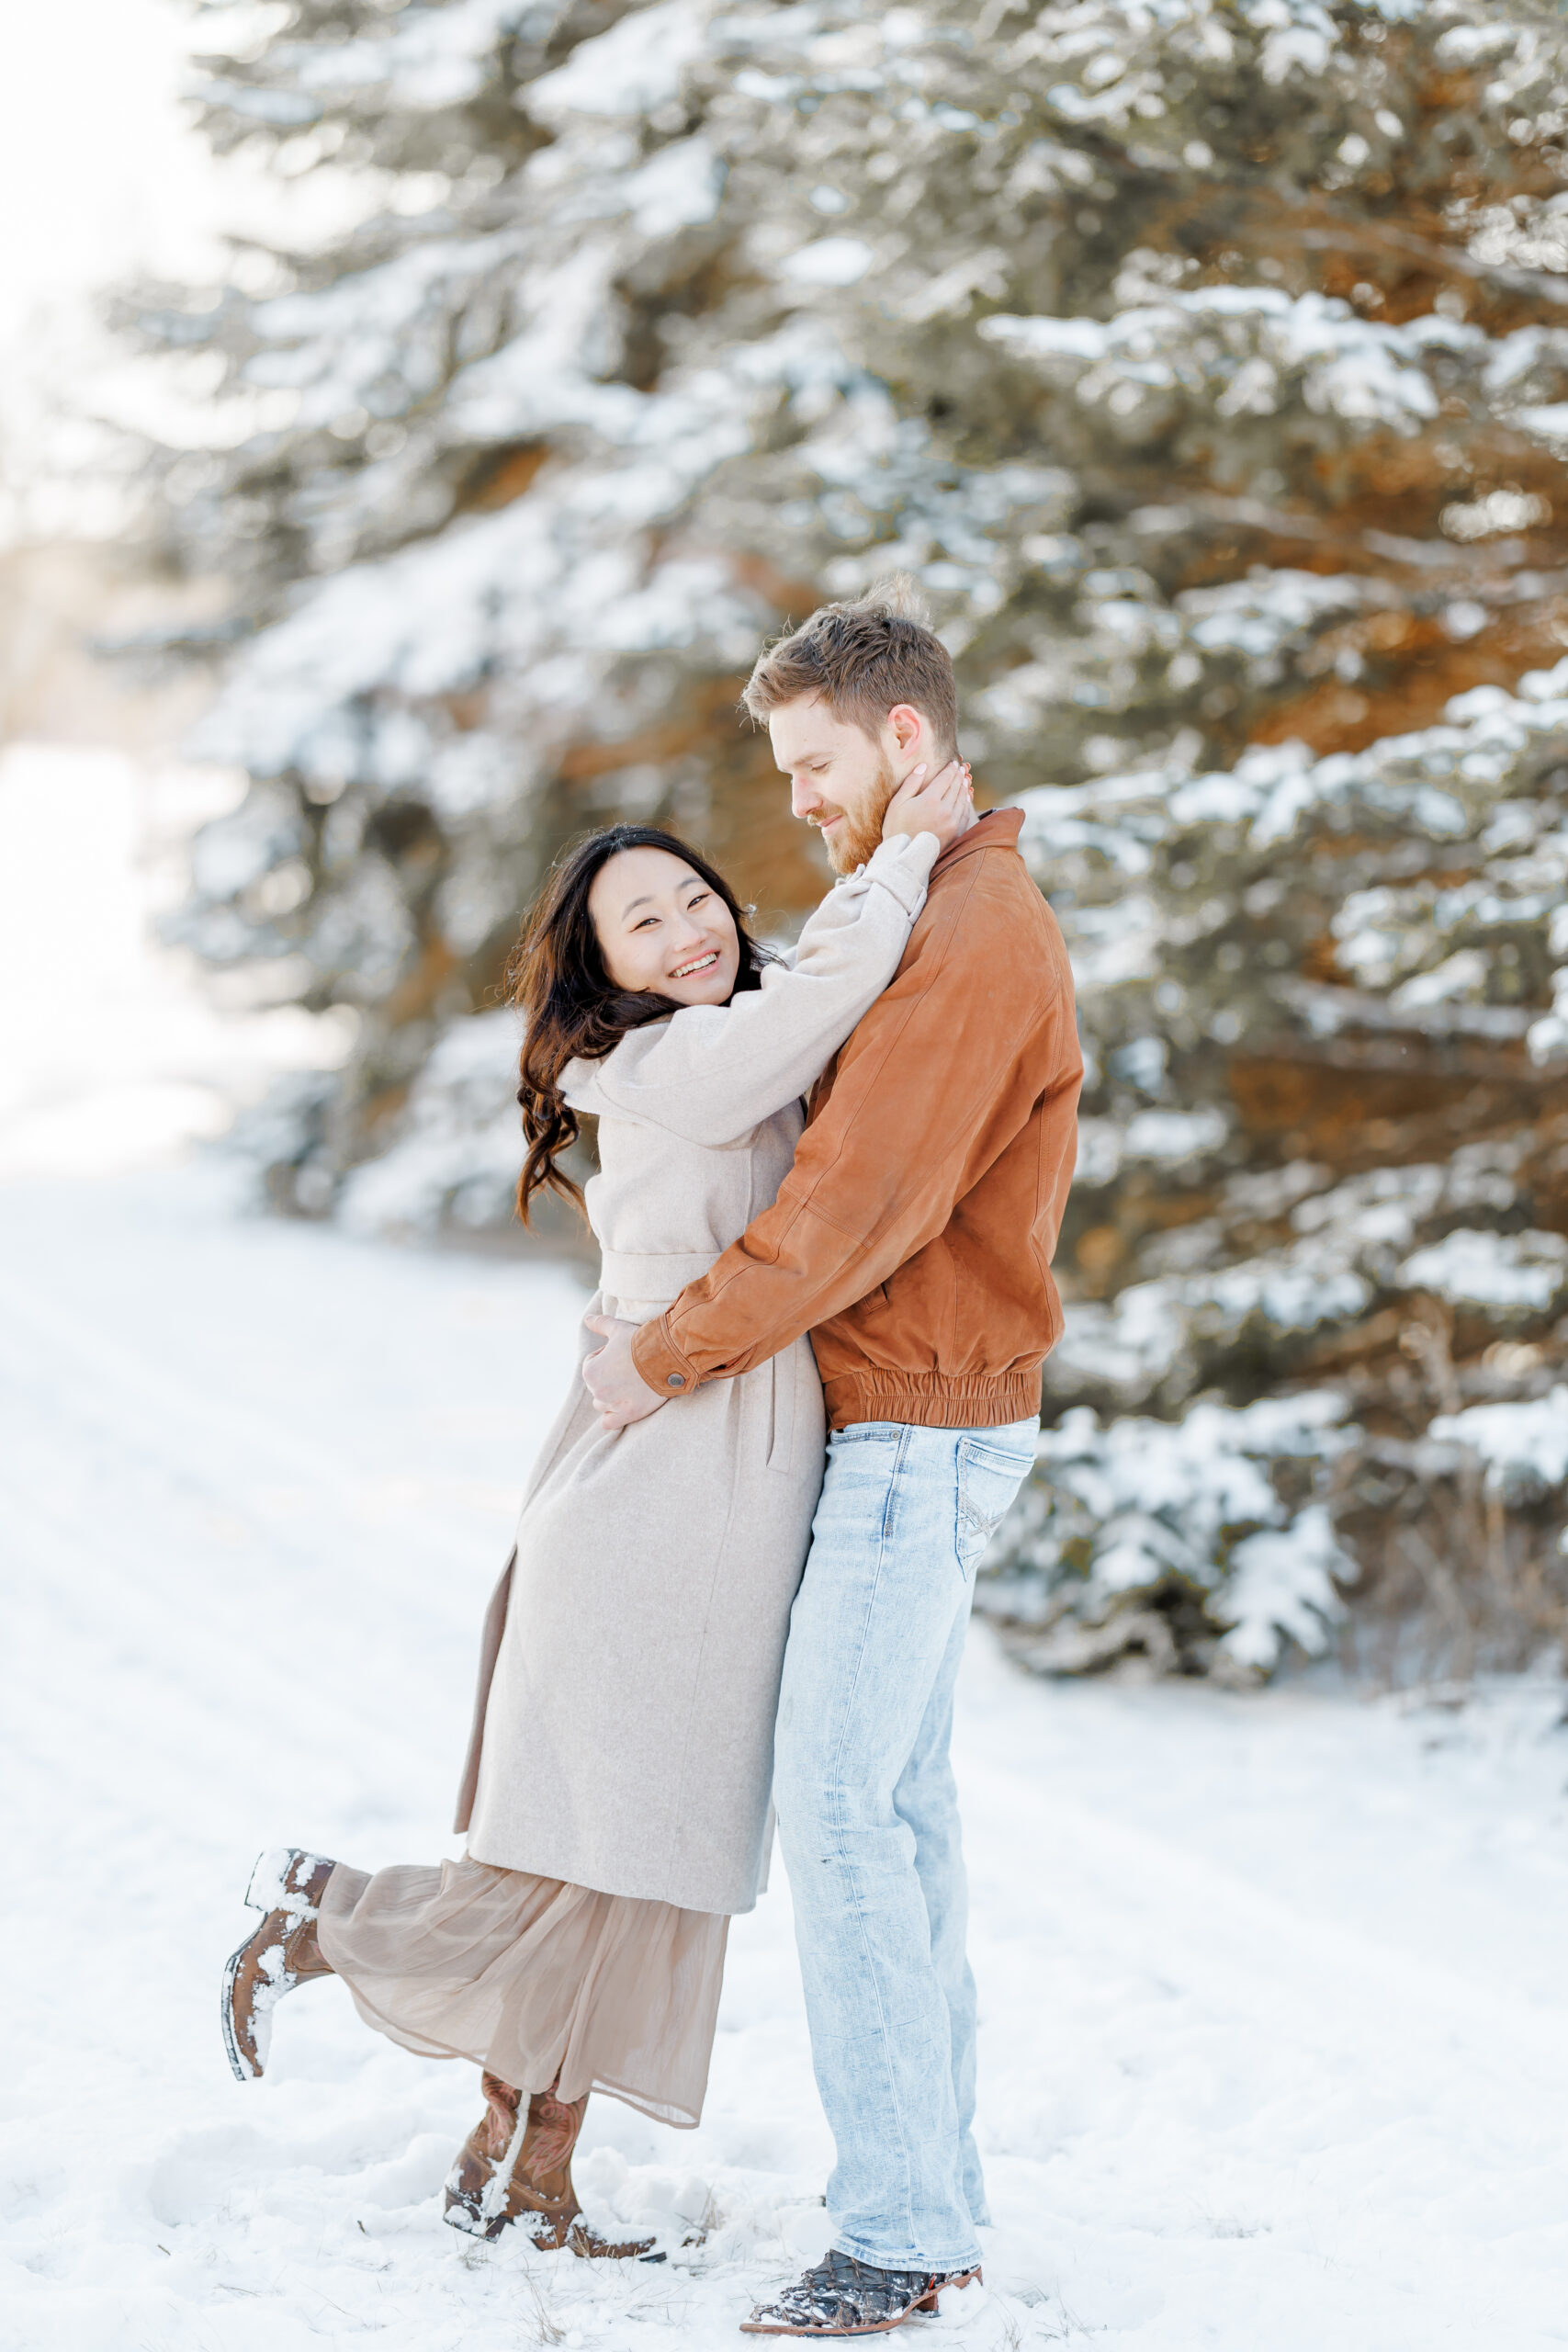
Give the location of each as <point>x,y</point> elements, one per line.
<point>659,1362</point>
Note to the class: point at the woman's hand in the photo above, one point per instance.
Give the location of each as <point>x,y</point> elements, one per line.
<point>612,1378</point>
<point>942,804</point>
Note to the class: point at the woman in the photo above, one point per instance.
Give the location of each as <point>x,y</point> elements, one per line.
<point>618,1787</point>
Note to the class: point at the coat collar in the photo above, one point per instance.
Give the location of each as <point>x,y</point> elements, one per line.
<point>997,828</point>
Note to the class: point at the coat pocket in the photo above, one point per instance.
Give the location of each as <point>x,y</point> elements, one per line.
<point>989,1475</point>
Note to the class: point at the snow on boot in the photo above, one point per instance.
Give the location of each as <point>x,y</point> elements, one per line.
<point>287,1884</point>
<point>840,2296</point>
<point>515,2166</point>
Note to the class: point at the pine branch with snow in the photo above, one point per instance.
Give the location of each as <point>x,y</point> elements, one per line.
<point>1209,367</point>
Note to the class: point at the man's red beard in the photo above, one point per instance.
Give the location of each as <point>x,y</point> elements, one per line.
<point>854,841</point>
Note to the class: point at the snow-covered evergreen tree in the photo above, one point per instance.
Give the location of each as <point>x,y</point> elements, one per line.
<point>1209,365</point>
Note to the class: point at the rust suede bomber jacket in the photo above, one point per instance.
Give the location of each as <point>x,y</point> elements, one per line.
<point>913,1235</point>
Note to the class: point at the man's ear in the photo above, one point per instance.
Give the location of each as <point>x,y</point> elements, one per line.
<point>906,723</point>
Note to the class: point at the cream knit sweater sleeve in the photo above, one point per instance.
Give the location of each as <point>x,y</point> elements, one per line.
<point>712,1072</point>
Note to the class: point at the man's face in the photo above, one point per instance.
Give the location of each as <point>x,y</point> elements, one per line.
<point>841,779</point>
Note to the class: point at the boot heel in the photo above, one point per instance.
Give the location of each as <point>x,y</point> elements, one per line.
<point>287,1878</point>
<point>268,1889</point>
<point>931,2303</point>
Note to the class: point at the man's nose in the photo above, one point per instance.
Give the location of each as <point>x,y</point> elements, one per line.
<point>804,796</point>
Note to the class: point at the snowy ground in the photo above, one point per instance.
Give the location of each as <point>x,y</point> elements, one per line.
<point>1275,2047</point>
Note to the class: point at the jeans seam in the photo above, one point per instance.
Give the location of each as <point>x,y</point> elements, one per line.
<point>865,1944</point>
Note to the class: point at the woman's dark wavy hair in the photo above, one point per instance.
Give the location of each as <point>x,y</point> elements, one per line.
<point>571,1006</point>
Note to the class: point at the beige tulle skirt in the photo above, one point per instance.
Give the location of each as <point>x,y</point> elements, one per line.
<point>533,1978</point>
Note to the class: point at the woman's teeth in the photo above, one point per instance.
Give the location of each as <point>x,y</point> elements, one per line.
<point>699,964</point>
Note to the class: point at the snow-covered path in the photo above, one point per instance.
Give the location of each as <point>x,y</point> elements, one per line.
<point>1275,2051</point>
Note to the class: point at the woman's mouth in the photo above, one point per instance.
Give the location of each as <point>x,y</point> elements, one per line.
<point>698,963</point>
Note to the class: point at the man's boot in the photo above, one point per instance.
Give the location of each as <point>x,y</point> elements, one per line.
<point>515,2166</point>
<point>287,1884</point>
<point>840,2296</point>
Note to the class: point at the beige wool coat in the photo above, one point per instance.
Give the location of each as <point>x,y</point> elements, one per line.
<point>624,1739</point>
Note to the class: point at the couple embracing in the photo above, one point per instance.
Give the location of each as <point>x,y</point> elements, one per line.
<point>810,1388</point>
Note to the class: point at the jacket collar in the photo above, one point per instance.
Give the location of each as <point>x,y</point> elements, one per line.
<point>997,828</point>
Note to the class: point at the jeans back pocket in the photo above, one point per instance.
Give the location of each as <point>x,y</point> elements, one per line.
<point>989,1475</point>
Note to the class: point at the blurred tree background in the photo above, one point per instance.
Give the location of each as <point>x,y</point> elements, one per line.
<point>1207,362</point>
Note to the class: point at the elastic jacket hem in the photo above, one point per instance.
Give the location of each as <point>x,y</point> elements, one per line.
<point>933,1400</point>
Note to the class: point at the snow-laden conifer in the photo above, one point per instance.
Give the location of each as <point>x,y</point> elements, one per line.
<point>1208,363</point>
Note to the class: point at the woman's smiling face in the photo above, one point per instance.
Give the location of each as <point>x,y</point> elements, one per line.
<point>662,930</point>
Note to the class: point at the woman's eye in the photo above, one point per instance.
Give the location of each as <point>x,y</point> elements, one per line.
<point>698,898</point>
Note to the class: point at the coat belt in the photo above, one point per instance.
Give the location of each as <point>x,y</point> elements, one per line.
<point>646,1275</point>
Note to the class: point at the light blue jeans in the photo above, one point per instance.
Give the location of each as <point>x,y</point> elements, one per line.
<point>868,1822</point>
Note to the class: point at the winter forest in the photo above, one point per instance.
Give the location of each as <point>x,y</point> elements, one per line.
<point>1207,365</point>
<point>415,417</point>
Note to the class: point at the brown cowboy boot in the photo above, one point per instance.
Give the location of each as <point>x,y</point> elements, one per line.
<point>287,1884</point>
<point>515,2166</point>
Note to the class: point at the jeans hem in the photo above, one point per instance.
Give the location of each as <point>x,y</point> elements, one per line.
<point>849,2244</point>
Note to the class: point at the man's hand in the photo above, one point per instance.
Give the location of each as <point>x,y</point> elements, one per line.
<point>612,1378</point>
<point>942,804</point>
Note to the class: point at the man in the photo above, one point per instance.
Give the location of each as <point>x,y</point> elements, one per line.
<point>912,1240</point>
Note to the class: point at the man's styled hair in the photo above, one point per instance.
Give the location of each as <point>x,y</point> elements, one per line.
<point>863,658</point>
